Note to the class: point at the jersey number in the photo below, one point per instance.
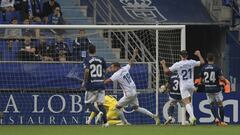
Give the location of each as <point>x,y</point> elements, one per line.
<point>127,77</point>
<point>96,70</point>
<point>187,74</point>
<point>209,77</point>
<point>176,85</point>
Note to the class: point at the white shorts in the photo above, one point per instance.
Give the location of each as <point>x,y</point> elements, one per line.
<point>212,97</point>
<point>175,101</point>
<point>186,90</point>
<point>128,100</point>
<point>94,96</point>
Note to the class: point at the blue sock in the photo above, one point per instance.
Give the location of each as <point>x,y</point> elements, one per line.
<point>214,112</point>
<point>221,112</point>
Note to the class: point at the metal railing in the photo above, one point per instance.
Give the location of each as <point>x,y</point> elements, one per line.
<point>107,12</point>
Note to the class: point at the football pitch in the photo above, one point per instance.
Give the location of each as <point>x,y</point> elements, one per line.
<point>120,130</point>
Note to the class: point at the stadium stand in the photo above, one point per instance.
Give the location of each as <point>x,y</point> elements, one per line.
<point>70,9</point>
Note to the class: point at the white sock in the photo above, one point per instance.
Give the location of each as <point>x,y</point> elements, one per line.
<point>190,110</point>
<point>144,111</point>
<point>121,115</point>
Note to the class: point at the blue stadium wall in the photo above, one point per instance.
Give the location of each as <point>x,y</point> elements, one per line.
<point>162,11</point>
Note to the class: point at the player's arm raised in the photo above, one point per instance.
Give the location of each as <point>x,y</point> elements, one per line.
<point>198,54</point>
<point>166,70</point>
<point>131,61</point>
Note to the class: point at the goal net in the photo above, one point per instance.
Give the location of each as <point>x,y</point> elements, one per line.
<point>41,69</point>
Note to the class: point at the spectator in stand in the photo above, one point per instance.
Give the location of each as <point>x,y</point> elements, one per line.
<point>29,9</point>
<point>80,46</point>
<point>8,5</point>
<point>48,9</point>
<point>22,7</point>
<point>62,52</point>
<point>35,10</point>
<point>30,32</point>
<point>27,32</point>
<point>8,52</point>
<point>57,19</point>
<point>44,51</point>
<point>13,34</point>
<point>27,51</point>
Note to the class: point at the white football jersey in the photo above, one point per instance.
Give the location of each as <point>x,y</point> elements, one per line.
<point>122,76</point>
<point>185,69</point>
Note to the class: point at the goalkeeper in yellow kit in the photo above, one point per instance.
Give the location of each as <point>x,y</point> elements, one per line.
<point>110,106</point>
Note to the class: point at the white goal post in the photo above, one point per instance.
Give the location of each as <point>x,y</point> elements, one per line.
<point>159,50</point>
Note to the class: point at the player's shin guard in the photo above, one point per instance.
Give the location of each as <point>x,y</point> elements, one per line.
<point>170,111</point>
<point>144,111</point>
<point>102,109</point>
<point>92,108</point>
<point>221,112</point>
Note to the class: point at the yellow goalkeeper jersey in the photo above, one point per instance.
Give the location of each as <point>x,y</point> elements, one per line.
<point>110,102</point>
<point>110,106</point>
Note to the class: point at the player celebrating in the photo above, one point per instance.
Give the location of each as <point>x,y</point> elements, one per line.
<point>185,69</point>
<point>123,77</point>
<point>172,87</point>
<point>211,75</point>
<point>94,73</point>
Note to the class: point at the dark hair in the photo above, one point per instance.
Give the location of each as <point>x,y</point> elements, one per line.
<point>210,57</point>
<point>184,53</point>
<point>91,48</point>
<point>14,18</point>
<point>116,64</point>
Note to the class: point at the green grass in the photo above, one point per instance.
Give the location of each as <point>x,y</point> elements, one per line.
<point>120,130</point>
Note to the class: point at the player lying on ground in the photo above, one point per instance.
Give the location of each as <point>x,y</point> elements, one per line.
<point>123,77</point>
<point>211,75</point>
<point>94,73</point>
<point>173,89</point>
<point>112,116</point>
<point>185,70</point>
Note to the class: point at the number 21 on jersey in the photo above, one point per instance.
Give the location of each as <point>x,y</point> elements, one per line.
<point>187,74</point>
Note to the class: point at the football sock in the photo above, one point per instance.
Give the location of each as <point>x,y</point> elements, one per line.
<point>221,111</point>
<point>214,112</point>
<point>144,111</point>
<point>92,115</point>
<point>190,110</point>
<point>121,115</point>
